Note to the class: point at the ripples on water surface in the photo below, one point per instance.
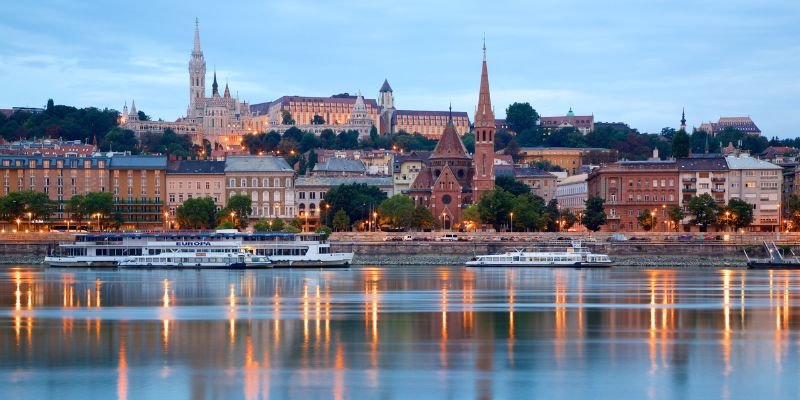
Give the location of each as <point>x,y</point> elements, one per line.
<point>421,332</point>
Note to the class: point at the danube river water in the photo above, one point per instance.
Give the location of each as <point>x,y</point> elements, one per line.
<point>399,332</point>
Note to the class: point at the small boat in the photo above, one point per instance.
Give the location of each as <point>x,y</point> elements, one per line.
<point>776,260</point>
<point>575,256</point>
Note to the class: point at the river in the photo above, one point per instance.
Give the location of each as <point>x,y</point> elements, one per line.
<point>399,332</point>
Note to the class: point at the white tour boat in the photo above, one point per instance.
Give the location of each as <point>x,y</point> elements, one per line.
<point>575,256</point>
<point>183,250</point>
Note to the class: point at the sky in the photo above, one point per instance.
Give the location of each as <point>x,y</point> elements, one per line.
<point>633,61</point>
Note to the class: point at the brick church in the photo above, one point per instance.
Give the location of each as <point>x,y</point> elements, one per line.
<point>453,179</point>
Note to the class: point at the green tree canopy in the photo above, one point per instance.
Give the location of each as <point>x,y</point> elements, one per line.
<point>119,139</point>
<point>793,211</point>
<point>357,200</point>
<point>647,219</point>
<point>341,222</point>
<point>495,207</point>
<point>521,116</point>
<point>738,213</point>
<point>397,211</point>
<point>568,219</point>
<point>680,144</point>
<point>511,185</point>
<point>241,205</point>
<point>286,118</point>
<point>530,212</point>
<point>197,213</point>
<point>676,215</point>
<point>704,211</point>
<point>594,216</point>
<point>317,120</point>
<point>424,219</point>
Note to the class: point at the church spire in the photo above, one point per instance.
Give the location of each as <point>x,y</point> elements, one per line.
<point>197,37</point>
<point>484,115</point>
<point>227,94</point>
<point>215,86</point>
<point>683,119</point>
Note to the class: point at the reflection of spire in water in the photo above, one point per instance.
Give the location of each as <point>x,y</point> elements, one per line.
<point>165,297</point>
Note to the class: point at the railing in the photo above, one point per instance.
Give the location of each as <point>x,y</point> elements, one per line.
<point>718,179</point>
<point>689,179</point>
<point>715,190</point>
<point>690,190</point>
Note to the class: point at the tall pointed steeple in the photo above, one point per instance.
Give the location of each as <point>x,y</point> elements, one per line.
<point>196,49</point>
<point>227,94</point>
<point>197,76</point>
<point>215,86</point>
<point>683,119</point>
<point>483,159</point>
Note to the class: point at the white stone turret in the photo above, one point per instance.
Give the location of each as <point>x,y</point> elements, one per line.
<point>134,115</point>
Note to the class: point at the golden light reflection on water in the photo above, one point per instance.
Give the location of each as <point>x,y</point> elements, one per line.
<point>657,309</point>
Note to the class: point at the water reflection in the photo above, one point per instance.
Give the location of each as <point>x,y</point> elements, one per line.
<point>370,332</point>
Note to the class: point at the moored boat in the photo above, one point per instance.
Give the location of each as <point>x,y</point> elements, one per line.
<point>188,249</point>
<point>575,256</point>
<point>776,260</point>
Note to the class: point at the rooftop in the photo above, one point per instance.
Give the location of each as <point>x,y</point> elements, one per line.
<point>336,181</point>
<point>744,161</point>
<point>716,163</point>
<point>256,164</point>
<point>334,164</point>
<point>134,162</point>
<point>196,167</point>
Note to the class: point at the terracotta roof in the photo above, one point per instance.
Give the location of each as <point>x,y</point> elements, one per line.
<point>484,114</point>
<point>423,181</point>
<point>449,145</point>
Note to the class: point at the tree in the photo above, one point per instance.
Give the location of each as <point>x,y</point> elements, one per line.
<point>704,210</point>
<point>668,132</point>
<point>647,219</point>
<point>501,139</point>
<point>552,214</point>
<point>397,211</point>
<point>495,207</point>
<point>169,143</point>
<point>511,185</point>
<point>119,139</point>
<point>521,116</point>
<point>76,208</point>
<point>261,226</point>
<point>241,207</point>
<point>197,213</point>
<point>142,116</point>
<point>471,215</point>
<point>317,120</point>
<point>676,215</point>
<point>680,144</point>
<point>278,225</point>
<point>424,219</point>
<point>738,213</point>
<point>529,212</point>
<point>594,216</point>
<point>341,222</point>
<point>286,118</point>
<point>568,219</point>
<point>357,200</point>
<point>793,211</point>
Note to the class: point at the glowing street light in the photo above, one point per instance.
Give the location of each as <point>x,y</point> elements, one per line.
<point>375,217</point>
<point>18,221</point>
<point>512,221</point>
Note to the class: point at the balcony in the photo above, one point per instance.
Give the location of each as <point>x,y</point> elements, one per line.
<point>718,180</point>
<point>612,217</point>
<point>689,180</point>
<point>715,190</point>
<point>690,190</point>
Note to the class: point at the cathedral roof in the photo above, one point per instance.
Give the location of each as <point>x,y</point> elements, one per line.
<point>450,145</point>
<point>385,87</point>
<point>446,172</point>
<point>285,100</point>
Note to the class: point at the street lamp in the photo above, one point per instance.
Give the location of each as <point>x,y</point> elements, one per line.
<point>18,221</point>
<point>305,224</point>
<point>375,217</point>
<point>233,218</point>
<point>664,214</point>
<point>98,220</point>
<point>779,217</point>
<point>166,220</point>
<point>443,220</point>
<point>30,221</point>
<point>511,214</point>
<point>327,214</point>
<point>728,218</point>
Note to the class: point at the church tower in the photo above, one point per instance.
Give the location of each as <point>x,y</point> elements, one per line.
<point>386,108</point>
<point>683,120</point>
<point>483,159</point>
<point>197,75</point>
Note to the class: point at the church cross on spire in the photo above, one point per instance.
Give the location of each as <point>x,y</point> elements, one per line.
<point>197,37</point>
<point>484,47</point>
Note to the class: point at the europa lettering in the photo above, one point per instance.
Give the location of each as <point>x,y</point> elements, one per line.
<point>194,243</point>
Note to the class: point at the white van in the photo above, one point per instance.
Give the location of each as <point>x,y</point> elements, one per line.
<point>448,237</point>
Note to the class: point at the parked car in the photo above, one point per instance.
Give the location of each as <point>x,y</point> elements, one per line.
<point>639,239</point>
<point>448,237</point>
<point>685,237</point>
<point>617,237</point>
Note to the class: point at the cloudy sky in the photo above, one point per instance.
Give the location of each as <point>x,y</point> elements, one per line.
<point>636,61</point>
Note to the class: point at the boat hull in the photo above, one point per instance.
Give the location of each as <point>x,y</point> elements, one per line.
<point>74,262</point>
<point>772,265</point>
<point>194,266</point>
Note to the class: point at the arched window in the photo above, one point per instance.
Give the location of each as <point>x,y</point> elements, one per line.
<point>288,182</point>
<point>312,208</point>
<point>266,182</point>
<point>243,182</point>
<point>265,196</point>
<point>276,182</point>
<point>254,182</point>
<point>254,196</point>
